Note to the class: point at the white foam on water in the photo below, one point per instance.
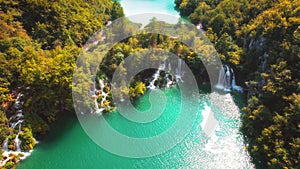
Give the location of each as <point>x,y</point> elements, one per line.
<point>95,94</point>
<point>17,120</point>
<point>8,156</point>
<point>225,150</point>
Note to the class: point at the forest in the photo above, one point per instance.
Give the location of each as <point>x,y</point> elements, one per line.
<point>40,42</point>
<point>266,36</point>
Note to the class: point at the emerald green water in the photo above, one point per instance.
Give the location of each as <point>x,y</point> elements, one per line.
<point>67,145</point>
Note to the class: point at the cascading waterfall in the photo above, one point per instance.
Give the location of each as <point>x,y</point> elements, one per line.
<point>17,141</point>
<point>155,77</point>
<point>96,94</point>
<point>5,145</point>
<point>179,72</point>
<point>14,124</point>
<point>264,62</point>
<point>93,93</point>
<point>104,94</point>
<point>15,121</point>
<point>18,106</point>
<point>233,84</point>
<point>170,82</point>
<point>221,79</point>
<point>227,80</point>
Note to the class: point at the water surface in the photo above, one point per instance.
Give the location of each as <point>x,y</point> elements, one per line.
<point>67,146</point>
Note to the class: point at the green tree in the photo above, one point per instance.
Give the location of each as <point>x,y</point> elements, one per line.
<point>117,11</point>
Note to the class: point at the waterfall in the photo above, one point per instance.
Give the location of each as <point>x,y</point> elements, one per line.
<point>179,72</point>
<point>17,141</point>
<point>221,79</point>
<point>156,76</point>
<point>264,62</point>
<point>14,121</point>
<point>233,78</point>
<point>104,94</point>
<point>169,82</point>
<point>93,92</point>
<point>18,106</point>
<point>5,145</point>
<point>227,77</point>
<point>14,124</point>
<point>233,84</point>
<point>227,81</point>
<point>96,94</point>
<point>163,66</point>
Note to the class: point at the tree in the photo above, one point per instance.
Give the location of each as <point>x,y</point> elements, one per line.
<point>228,50</point>
<point>138,90</point>
<point>117,10</point>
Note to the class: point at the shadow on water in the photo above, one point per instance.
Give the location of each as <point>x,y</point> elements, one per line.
<point>65,122</point>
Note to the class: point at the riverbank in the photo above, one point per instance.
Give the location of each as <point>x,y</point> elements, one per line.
<point>71,142</point>
<point>67,145</point>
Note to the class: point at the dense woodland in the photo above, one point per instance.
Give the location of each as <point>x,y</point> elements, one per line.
<point>40,42</point>
<point>266,37</point>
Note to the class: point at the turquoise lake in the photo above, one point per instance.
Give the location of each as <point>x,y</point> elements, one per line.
<point>67,146</point>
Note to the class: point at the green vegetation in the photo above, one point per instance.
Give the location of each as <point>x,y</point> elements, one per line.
<point>260,39</point>
<point>137,46</point>
<point>39,43</point>
<point>138,90</point>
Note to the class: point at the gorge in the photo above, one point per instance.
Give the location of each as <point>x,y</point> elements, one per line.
<point>225,147</point>
<point>242,112</point>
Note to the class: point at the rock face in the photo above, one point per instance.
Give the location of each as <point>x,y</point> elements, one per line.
<point>256,45</point>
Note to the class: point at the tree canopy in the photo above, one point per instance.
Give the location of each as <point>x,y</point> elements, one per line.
<point>39,43</point>
<point>260,39</point>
